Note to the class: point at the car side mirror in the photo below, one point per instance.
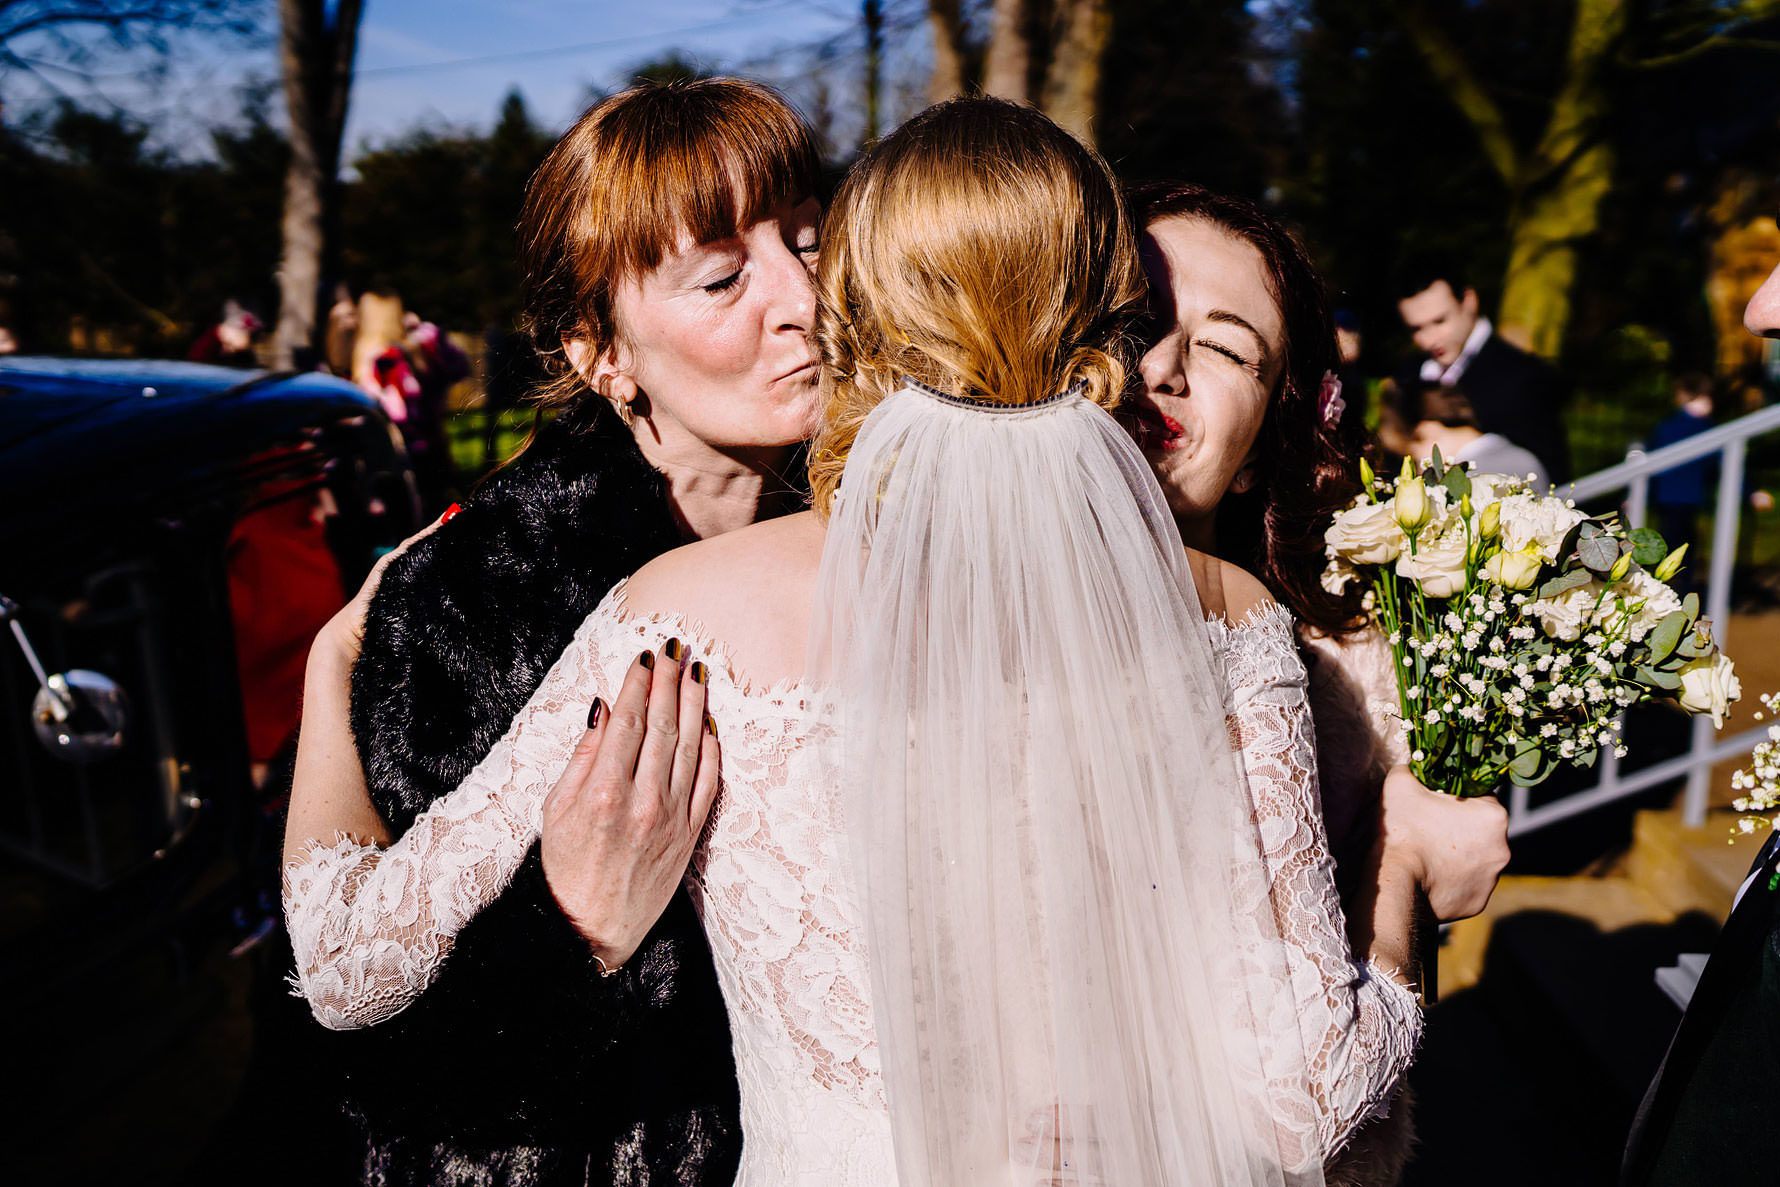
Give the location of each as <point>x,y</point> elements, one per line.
<point>79,715</point>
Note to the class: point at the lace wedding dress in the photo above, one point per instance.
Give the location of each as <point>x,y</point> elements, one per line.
<point>372,926</point>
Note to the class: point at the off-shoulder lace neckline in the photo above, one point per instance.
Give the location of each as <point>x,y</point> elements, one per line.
<point>1265,619</point>
<point>705,646</point>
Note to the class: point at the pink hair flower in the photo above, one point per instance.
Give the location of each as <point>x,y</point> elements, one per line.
<point>1329,401</point>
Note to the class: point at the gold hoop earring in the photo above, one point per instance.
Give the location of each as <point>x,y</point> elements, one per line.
<point>1240,484</point>
<point>625,412</point>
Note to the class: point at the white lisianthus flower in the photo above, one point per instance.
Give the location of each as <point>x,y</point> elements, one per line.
<point>1568,614</point>
<point>1532,519</point>
<point>1438,563</point>
<point>1411,505</point>
<point>1710,685</point>
<point>1659,602</point>
<point>1366,535</point>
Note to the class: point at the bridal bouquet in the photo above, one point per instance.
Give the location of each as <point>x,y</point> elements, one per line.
<point>1520,628</point>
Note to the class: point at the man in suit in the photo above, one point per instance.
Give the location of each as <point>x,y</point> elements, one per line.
<point>1515,394</point>
<point>1710,1113</point>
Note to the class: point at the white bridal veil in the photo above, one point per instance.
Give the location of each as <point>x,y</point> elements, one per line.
<point>1076,973</point>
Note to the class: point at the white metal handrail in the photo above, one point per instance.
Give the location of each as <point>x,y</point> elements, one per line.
<point>1731,442</point>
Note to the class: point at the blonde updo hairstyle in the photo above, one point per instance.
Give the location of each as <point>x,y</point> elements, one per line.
<point>981,250</point>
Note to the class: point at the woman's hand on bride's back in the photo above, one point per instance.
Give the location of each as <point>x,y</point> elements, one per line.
<point>345,631</point>
<point>621,823</point>
<point>1454,848</point>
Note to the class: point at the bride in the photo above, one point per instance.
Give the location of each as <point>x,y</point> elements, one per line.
<point>1016,874</point>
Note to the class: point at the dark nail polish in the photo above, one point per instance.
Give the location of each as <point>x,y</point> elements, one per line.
<point>593,713</point>
<point>700,673</point>
<point>710,726</point>
<point>647,659</point>
<point>673,650</point>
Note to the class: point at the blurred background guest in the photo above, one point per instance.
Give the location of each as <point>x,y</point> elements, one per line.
<point>378,365</point>
<point>342,330</point>
<point>1513,393</point>
<point>1678,496</point>
<point>230,341</point>
<point>1350,344</point>
<point>1435,415</point>
<point>436,364</point>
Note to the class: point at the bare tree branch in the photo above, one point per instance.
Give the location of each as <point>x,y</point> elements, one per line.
<point>129,23</point>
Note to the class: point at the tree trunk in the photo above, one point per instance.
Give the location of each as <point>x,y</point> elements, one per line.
<point>1560,188</point>
<point>1556,190</point>
<point>1546,230</point>
<point>1007,65</point>
<point>947,26</point>
<point>317,63</point>
<point>1072,84</point>
<point>873,13</point>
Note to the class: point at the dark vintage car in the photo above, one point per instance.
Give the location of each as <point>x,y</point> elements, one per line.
<point>170,537</point>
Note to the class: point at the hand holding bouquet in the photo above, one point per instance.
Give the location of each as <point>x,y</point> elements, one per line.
<point>1520,628</point>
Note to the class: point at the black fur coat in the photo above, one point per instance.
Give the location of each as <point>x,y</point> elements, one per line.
<point>520,1066</point>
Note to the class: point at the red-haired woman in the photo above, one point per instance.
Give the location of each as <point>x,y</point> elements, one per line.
<point>577,1033</point>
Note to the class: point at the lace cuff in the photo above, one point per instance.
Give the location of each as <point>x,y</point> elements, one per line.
<point>371,927</point>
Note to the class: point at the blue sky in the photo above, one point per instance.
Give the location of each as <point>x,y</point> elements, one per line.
<point>553,51</point>
<point>448,63</point>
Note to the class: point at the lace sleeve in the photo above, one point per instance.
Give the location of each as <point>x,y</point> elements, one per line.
<point>1360,1025</point>
<point>371,926</point>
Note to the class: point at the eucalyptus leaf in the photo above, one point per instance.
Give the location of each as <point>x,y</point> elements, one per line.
<point>1690,606</point>
<point>1648,547</point>
<point>1667,635</point>
<point>1436,466</point>
<point>1564,582</point>
<point>1656,678</point>
<point>1532,775</point>
<point>1457,482</point>
<point>1597,552</point>
<point>1568,547</point>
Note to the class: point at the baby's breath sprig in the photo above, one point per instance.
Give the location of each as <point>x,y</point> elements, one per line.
<point>1761,778</point>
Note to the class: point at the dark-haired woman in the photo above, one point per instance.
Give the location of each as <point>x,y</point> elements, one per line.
<point>576,1034</point>
<point>1255,449</point>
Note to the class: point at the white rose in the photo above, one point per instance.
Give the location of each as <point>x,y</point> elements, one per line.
<point>1366,535</point>
<point>1338,576</point>
<point>1659,602</point>
<point>1565,615</point>
<point>1710,685</point>
<point>1535,519</point>
<point>1438,563</point>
